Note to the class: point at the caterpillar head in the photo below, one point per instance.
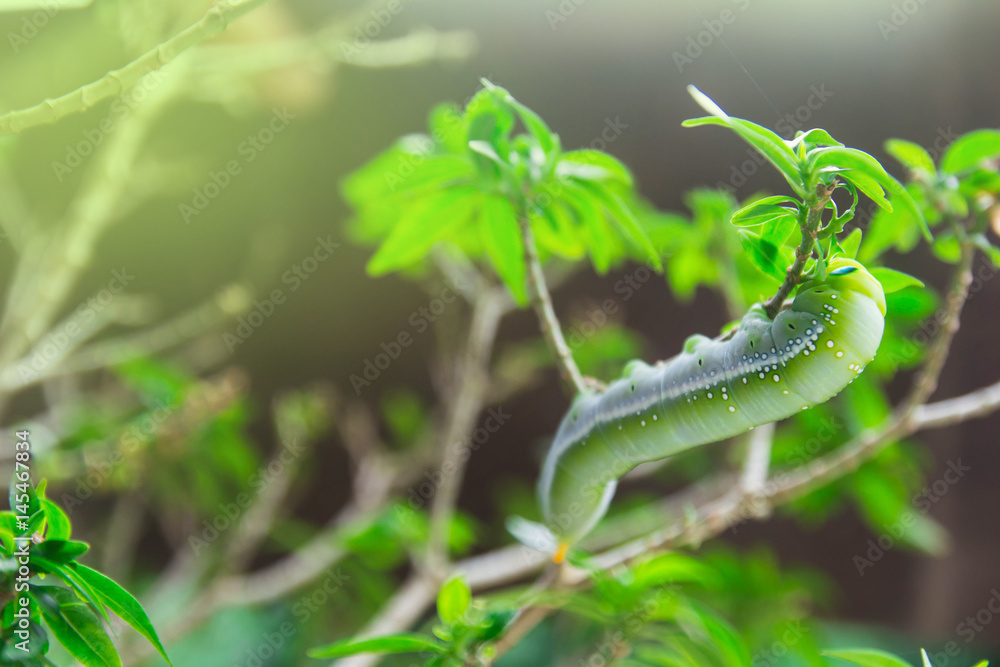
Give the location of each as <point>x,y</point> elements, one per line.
<point>845,274</point>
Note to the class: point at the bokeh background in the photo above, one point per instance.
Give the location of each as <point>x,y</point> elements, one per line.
<point>611,75</point>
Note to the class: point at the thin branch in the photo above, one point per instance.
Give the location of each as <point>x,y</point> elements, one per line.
<point>466,403</point>
<point>547,320</point>
<point>50,265</point>
<point>227,303</point>
<point>758,459</point>
<point>117,81</point>
<point>793,275</point>
<point>927,379</point>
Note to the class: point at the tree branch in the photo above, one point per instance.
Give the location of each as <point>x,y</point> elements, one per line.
<point>466,403</point>
<point>547,320</point>
<point>808,228</point>
<point>117,81</point>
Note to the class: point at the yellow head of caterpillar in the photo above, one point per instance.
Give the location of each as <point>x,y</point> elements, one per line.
<point>560,555</point>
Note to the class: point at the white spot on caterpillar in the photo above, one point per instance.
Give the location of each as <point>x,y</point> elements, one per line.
<point>833,296</point>
<point>654,418</point>
<point>643,422</point>
<point>777,378</point>
<point>839,354</point>
<point>829,343</point>
<point>785,392</point>
<point>763,375</point>
<point>710,394</point>
<point>732,408</point>
<point>744,380</point>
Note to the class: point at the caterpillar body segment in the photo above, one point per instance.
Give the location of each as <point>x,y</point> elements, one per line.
<point>764,371</point>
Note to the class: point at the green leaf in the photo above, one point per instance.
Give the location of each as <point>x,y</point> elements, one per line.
<point>669,568</point>
<point>77,628</point>
<point>948,248</point>
<point>779,230</point>
<point>453,600</point>
<point>815,137</point>
<point>970,149</point>
<point>597,166</point>
<point>401,643</point>
<point>772,146</point>
<point>121,602</point>
<point>424,224</point>
<point>488,119</point>
<point>432,173</point>
<point>893,281</point>
<point>763,254</point>
<point>59,527</point>
<point>761,212</point>
<point>851,243</point>
<point>494,624</point>
<point>501,236</point>
<point>991,251</point>
<point>596,236</point>
<point>910,155</point>
<point>867,658</point>
<point>623,214</point>
<point>761,139</point>
<point>60,551</point>
<point>863,163</point>
<point>532,121</point>
<point>448,128</point>
<point>868,185</point>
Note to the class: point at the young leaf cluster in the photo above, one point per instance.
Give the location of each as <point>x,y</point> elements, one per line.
<point>472,181</point>
<point>72,604</point>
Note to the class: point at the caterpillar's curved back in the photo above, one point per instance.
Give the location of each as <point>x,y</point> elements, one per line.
<point>765,371</point>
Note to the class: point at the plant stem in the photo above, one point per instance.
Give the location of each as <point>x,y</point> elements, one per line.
<point>793,275</point>
<point>117,81</point>
<point>466,403</point>
<point>547,320</point>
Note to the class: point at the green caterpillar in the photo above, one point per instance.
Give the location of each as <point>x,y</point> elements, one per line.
<point>763,371</point>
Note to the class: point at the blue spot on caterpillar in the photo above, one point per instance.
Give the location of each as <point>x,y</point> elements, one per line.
<point>761,372</point>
